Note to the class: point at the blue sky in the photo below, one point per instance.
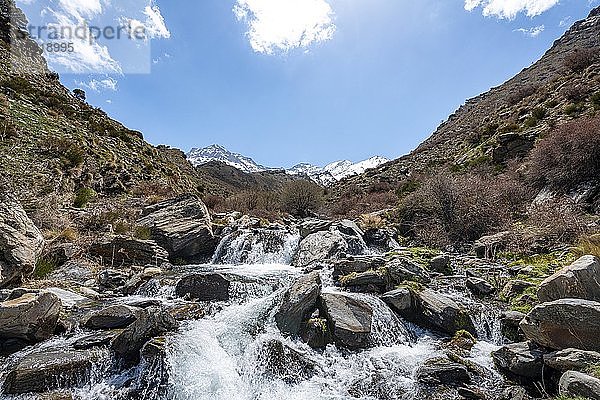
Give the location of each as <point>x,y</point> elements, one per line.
<point>328,80</point>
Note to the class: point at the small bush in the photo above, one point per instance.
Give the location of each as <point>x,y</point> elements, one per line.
<point>552,103</point>
<point>301,197</point>
<point>567,157</point>
<point>69,152</point>
<point>83,197</point>
<point>581,59</point>
<point>575,93</point>
<point>521,93</point>
<point>539,113</point>
<point>596,100</point>
<point>573,109</point>
<point>44,267</point>
<point>531,122</point>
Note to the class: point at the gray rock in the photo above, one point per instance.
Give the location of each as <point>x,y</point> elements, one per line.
<point>515,288</point>
<point>349,319</point>
<point>520,360</point>
<point>576,384</point>
<point>119,251</point>
<point>319,247</point>
<point>313,225</point>
<point>152,322</point>
<point>403,269</point>
<point>43,371</point>
<point>315,332</point>
<point>564,324</point>
<point>204,287</point>
<point>440,264</point>
<point>21,242</point>
<point>442,371</point>
<point>112,278</point>
<point>399,300</point>
<point>480,287</point>
<point>509,324</point>
<point>572,360</point>
<point>98,339</point>
<point>353,236</point>
<point>113,317</point>
<point>276,359</point>
<point>366,282</point>
<point>432,310</point>
<point>182,226</point>
<point>489,246</point>
<point>31,317</point>
<point>299,302</point>
<point>580,280</point>
<point>356,264</point>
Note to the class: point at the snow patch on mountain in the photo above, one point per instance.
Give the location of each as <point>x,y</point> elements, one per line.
<point>326,176</point>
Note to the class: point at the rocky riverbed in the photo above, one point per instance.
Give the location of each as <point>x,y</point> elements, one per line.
<point>232,307</point>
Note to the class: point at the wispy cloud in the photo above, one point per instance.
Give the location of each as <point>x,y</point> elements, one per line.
<point>98,85</point>
<point>566,21</point>
<point>509,9</point>
<point>283,25</point>
<point>532,32</point>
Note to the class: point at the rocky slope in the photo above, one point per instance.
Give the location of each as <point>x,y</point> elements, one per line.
<point>504,123</point>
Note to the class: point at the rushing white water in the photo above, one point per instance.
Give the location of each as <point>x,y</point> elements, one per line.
<point>258,246</point>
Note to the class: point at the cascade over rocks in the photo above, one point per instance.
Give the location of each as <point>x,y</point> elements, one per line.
<point>279,360</point>
<point>349,319</point>
<point>576,384</point>
<point>580,280</point>
<point>182,226</point>
<point>45,370</point>
<point>320,246</point>
<point>204,287</point>
<point>563,324</point>
<point>21,242</point>
<point>31,317</point>
<point>298,304</point>
<point>121,250</point>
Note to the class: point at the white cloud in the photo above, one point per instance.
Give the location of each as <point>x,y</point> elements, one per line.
<point>81,9</point>
<point>153,27</point>
<point>566,21</point>
<point>283,25</point>
<point>532,32</point>
<point>100,85</point>
<point>508,9</point>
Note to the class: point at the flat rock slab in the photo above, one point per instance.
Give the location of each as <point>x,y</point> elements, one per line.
<point>580,280</point>
<point>204,287</point>
<point>349,319</point>
<point>113,317</point>
<point>31,317</point>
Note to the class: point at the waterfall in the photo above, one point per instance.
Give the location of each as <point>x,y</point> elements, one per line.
<point>257,246</point>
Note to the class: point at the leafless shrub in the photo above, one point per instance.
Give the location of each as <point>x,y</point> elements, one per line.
<point>568,156</point>
<point>301,197</point>
<point>579,59</point>
<point>521,93</point>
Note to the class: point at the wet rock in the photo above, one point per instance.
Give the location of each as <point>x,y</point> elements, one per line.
<point>366,282</point>
<point>152,322</point>
<point>298,304</point>
<point>182,226</point>
<point>489,246</point>
<point>434,310</point>
<point>442,371</point>
<point>353,236</point>
<point>315,332</point>
<point>21,242</point>
<point>440,264</point>
<point>357,264</point>
<point>381,239</point>
<point>520,360</point>
<point>204,287</point>
<point>279,360</point>
<point>349,319</point>
<point>580,280</point>
<point>575,384</point>
<point>98,339</point>
<point>320,246</point>
<point>572,360</point>
<point>471,393</point>
<point>563,324</point>
<point>480,287</point>
<point>112,278</point>
<point>399,300</point>
<point>153,381</point>
<point>403,269</point>
<point>119,251</point>
<point>113,317</point>
<point>48,370</point>
<point>31,317</point>
<point>313,225</point>
<point>510,325</point>
<point>189,311</point>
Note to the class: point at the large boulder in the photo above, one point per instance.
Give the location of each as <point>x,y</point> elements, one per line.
<point>319,247</point>
<point>152,322</point>
<point>404,269</point>
<point>43,371</point>
<point>309,226</point>
<point>121,250</point>
<point>563,324</point>
<point>520,360</point>
<point>278,360</point>
<point>572,360</point>
<point>580,280</point>
<point>204,287</point>
<point>353,236</point>
<point>442,371</point>
<point>298,304</point>
<point>576,384</point>
<point>182,226</point>
<point>430,309</point>
<point>31,317</point>
<point>357,264</point>
<point>113,317</point>
<point>349,319</point>
<point>366,282</point>
<point>21,242</point>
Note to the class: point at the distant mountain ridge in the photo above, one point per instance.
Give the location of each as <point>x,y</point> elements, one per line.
<point>326,176</point>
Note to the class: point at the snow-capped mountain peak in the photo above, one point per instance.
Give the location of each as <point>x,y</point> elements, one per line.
<point>326,176</point>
